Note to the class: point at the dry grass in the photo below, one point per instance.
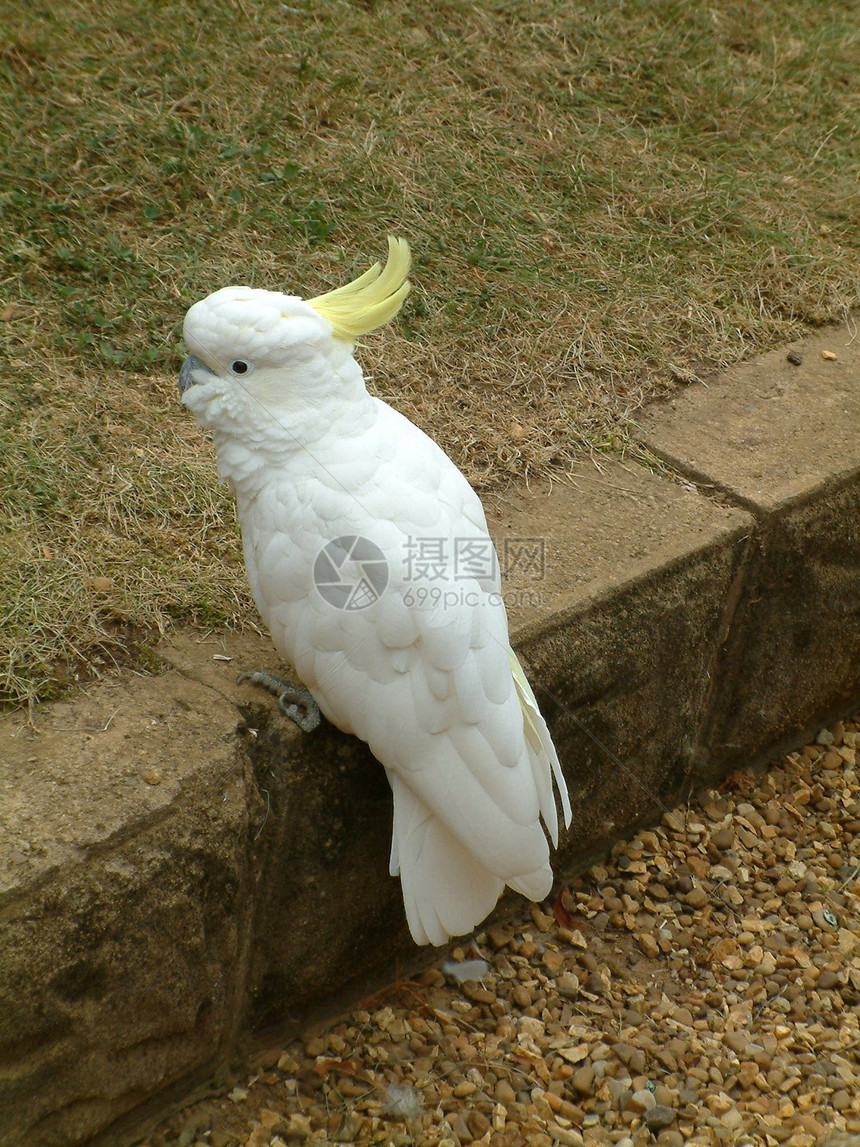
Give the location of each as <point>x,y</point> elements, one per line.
<point>601,197</point>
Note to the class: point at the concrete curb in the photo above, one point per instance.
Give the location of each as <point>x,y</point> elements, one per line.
<point>180,871</point>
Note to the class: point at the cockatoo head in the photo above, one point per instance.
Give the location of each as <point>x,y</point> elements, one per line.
<point>253,349</point>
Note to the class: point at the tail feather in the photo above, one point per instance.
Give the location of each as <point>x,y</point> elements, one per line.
<point>547,764</point>
<point>535,885</point>
<point>446,890</point>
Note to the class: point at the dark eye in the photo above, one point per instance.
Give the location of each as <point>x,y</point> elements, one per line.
<point>239,367</point>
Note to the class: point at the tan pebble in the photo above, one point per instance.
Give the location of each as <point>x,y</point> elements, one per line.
<point>759,1106</point>
<point>465,1088</point>
<point>669,1137</point>
<point>500,1117</point>
<point>567,985</point>
<point>847,941</point>
<point>499,937</point>
<point>504,1093</point>
<point>542,921</point>
<point>287,1063</point>
<point>732,1118</point>
<point>813,1125</point>
<point>698,865</point>
<point>725,947</point>
<point>829,356</point>
<point>553,961</point>
<point>648,944</point>
<point>597,984</point>
<point>102,584</point>
<point>566,1137</point>
<point>555,1101</point>
<point>478,1123</point>
<point>719,1103</point>
<point>583,1079</point>
<point>747,1074</point>
<point>633,1057</point>
<point>473,991</point>
<point>736,1040</point>
<point>573,937</point>
<point>719,872</point>
<point>734,896</point>
<point>697,897</point>
<point>723,838</point>
<point>521,996</point>
<point>531,1027</point>
<point>567,1110</point>
<point>299,1126</point>
<point>351,1087</point>
<point>152,776</point>
<point>641,1101</point>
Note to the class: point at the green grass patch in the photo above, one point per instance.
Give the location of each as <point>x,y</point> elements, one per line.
<point>600,197</point>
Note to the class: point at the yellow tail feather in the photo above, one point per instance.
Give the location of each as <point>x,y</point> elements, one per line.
<point>528,704</point>
<point>370,300</point>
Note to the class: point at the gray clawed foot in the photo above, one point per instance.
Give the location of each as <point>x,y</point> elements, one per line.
<point>294,701</point>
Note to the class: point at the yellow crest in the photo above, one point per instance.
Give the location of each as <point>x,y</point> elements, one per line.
<point>370,300</point>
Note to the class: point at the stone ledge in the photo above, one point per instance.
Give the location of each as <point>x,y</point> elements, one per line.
<point>781,440</point>
<point>180,870</point>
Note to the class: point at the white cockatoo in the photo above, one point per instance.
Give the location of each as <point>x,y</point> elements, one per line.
<point>369,559</point>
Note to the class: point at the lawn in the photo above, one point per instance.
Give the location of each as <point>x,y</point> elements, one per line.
<point>604,200</point>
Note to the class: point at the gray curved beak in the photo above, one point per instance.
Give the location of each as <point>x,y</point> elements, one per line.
<point>190,367</point>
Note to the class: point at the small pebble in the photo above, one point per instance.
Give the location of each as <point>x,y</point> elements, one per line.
<point>658,1117</point>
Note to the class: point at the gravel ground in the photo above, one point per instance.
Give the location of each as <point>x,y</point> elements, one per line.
<point>701,986</point>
